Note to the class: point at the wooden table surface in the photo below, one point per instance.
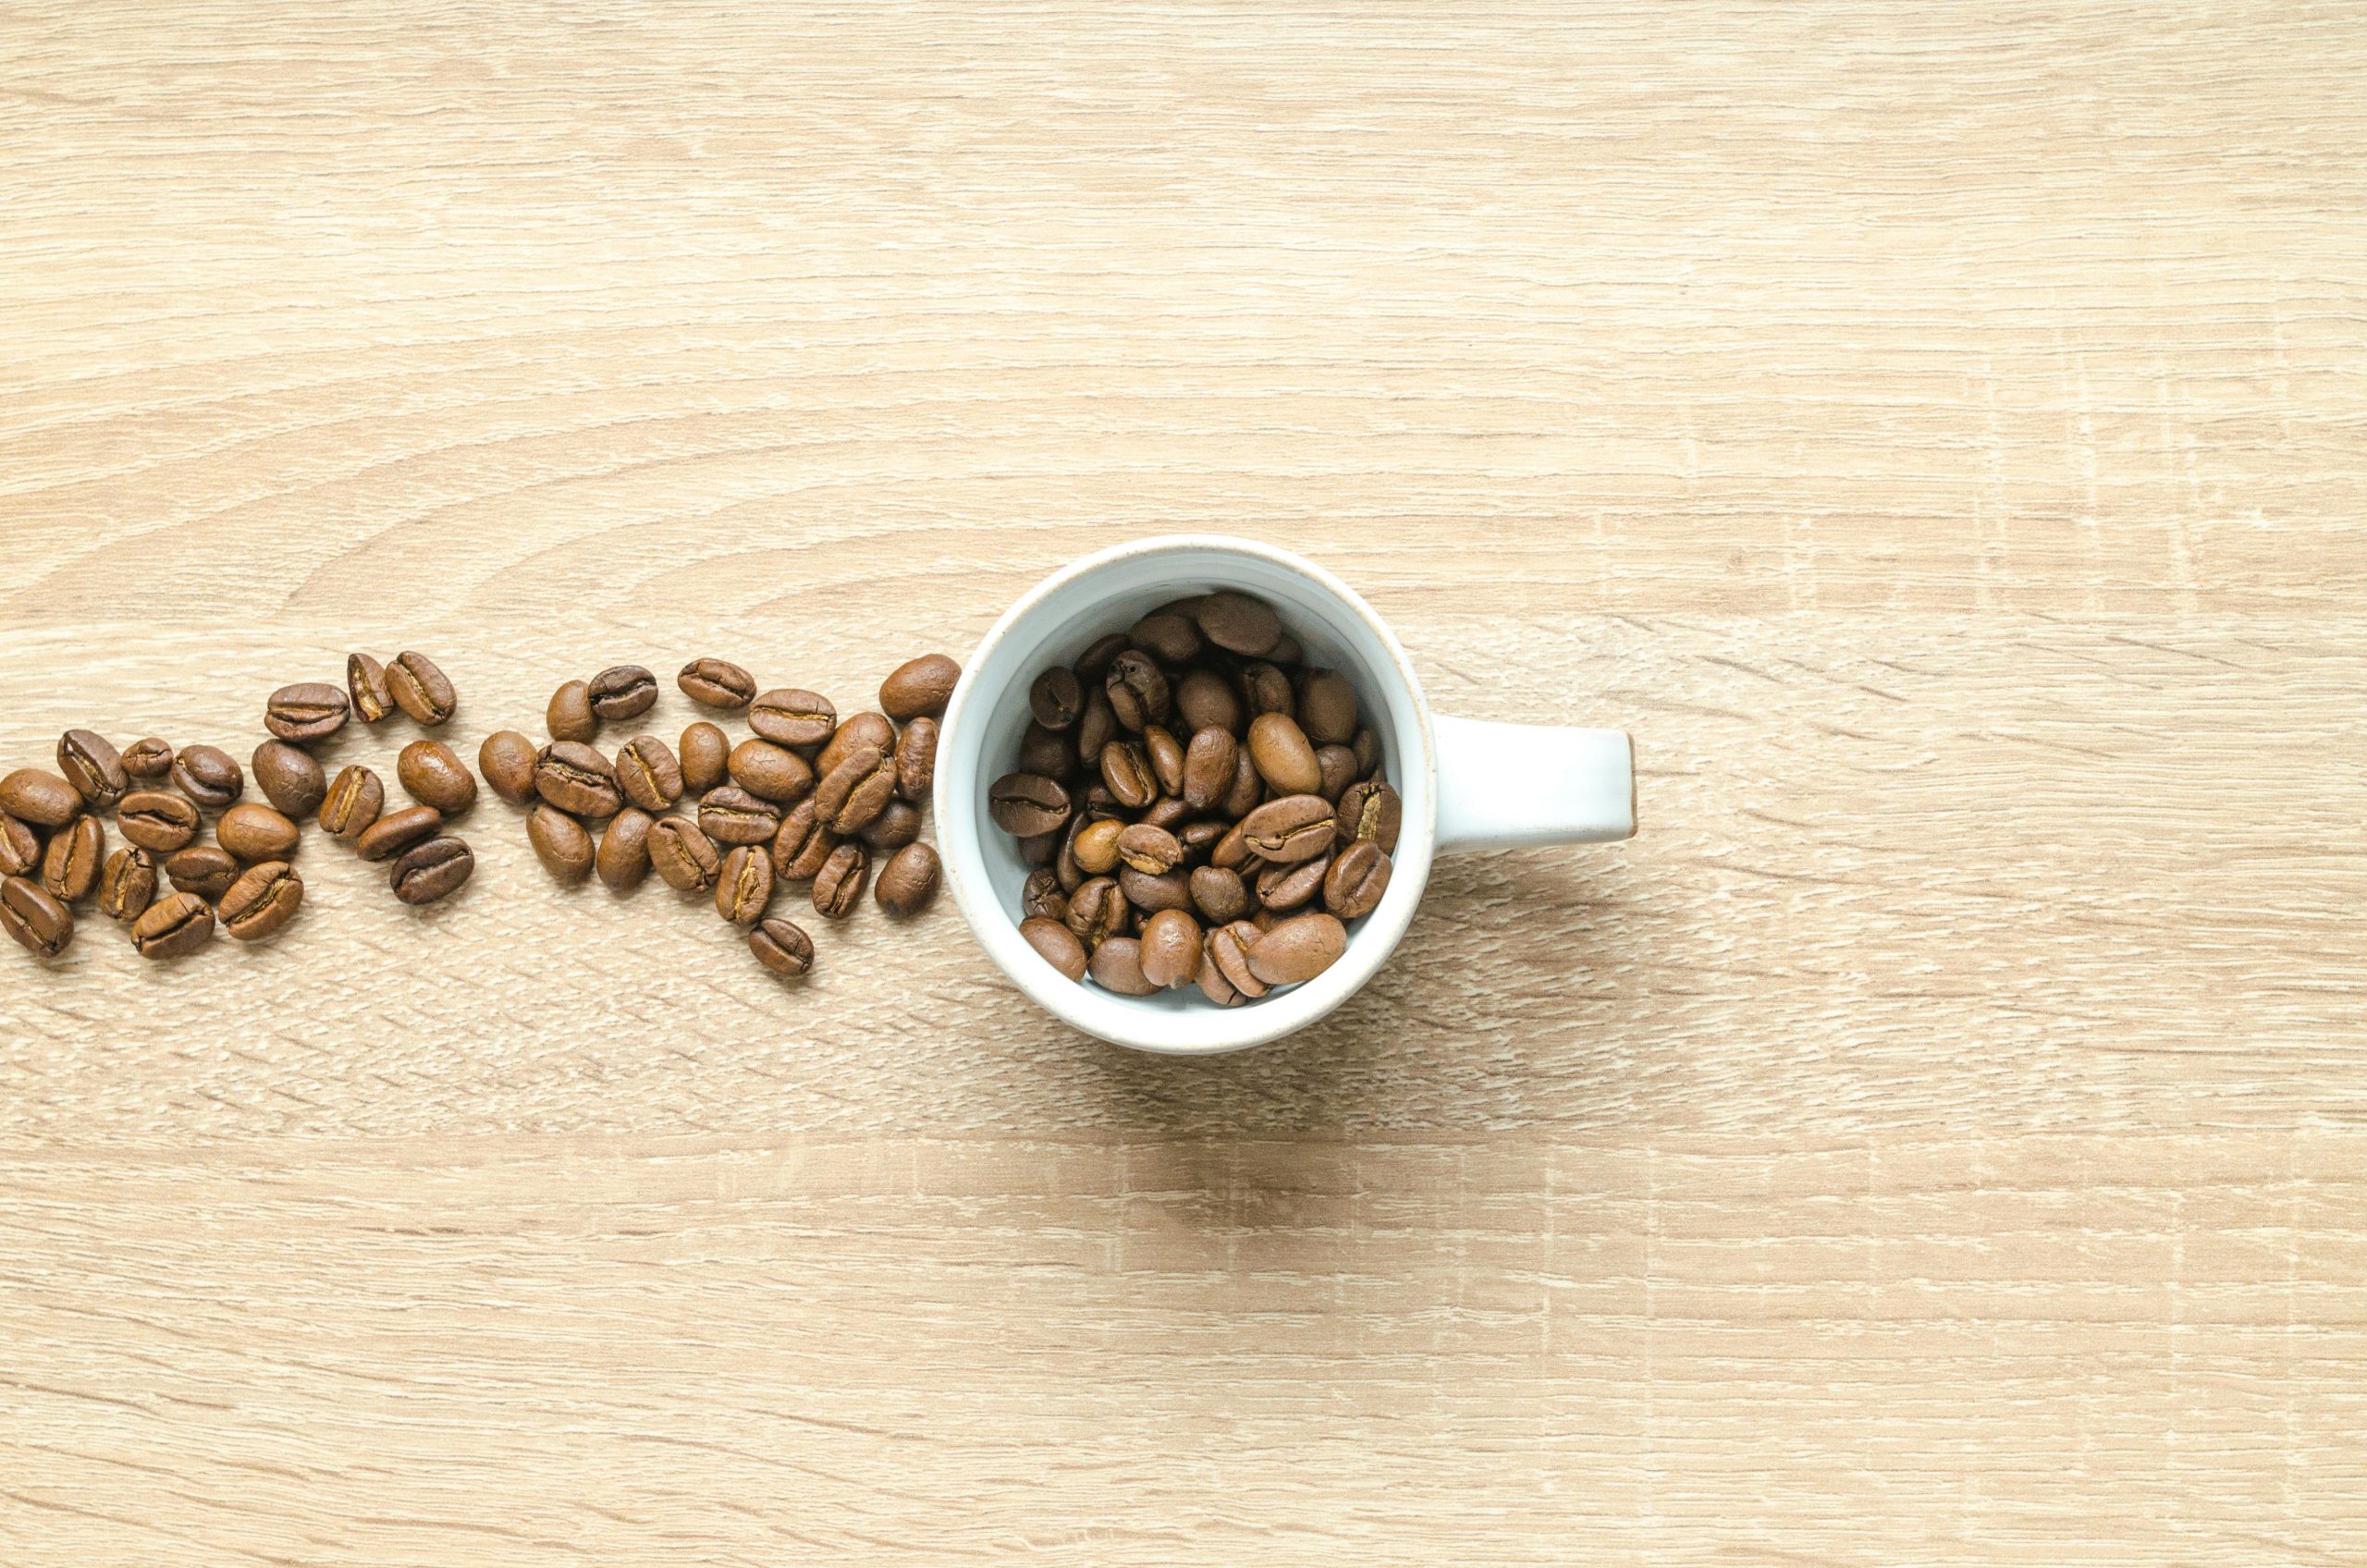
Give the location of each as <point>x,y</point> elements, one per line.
<point>1938,433</point>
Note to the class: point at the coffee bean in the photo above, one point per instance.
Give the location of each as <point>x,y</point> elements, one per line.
<point>397,831</point>
<point>908,882</point>
<point>1265,690</point>
<point>1092,664</point>
<point>41,799</point>
<point>1370,810</point>
<point>291,778</point>
<point>1043,896</point>
<point>421,691</point>
<point>36,921</point>
<point>802,844</point>
<point>435,777</point>
<point>1208,767</point>
<point>20,848</point>
<point>732,815</point>
<point>1327,706</point>
<point>743,888</point>
<point>1098,912</point>
<point>838,886</point>
<point>262,899</point>
<point>682,855</point>
<point>916,760</point>
<point>1287,887</point>
<point>771,772</point>
<point>1051,753</point>
<point>1285,758</point>
<point>1299,949</point>
<point>862,730</point>
<point>717,683</point>
<point>1239,624</point>
<point>1056,944</point>
<point>172,926</point>
<point>368,695</point>
<point>1168,812</point>
<point>622,692</point>
<point>1096,845</point>
<point>162,820</point>
<point>128,884</point>
<point>69,867</point>
<point>1337,765</point>
<point>1170,950</point>
<point>1024,805</point>
<point>706,757</point>
<point>1152,850</point>
<point>1286,651</point>
<point>577,779</point>
<point>1218,894</point>
<point>1366,746</point>
<point>919,688</point>
<point>1166,754</point>
<point>1358,878</point>
<point>782,947</point>
<point>622,858</point>
<point>1125,770</point>
<point>506,760</point>
<point>648,775</point>
<point>148,759</point>
<point>1146,892</point>
<point>560,843</point>
<point>1057,698</point>
<point>1117,965</point>
<point>1205,700</point>
<point>1096,729</point>
<point>205,870</point>
<point>353,803</point>
<point>1138,692</point>
<point>431,871</point>
<point>1248,787</point>
<point>1213,984</point>
<point>793,717</point>
<point>568,715</point>
<point>256,833</point>
<point>1065,867</point>
<point>306,712</point>
<point>897,825</point>
<point>208,776</point>
<point>1294,828</point>
<point>1166,637</point>
<point>1229,948</point>
<point>94,767</point>
<point>1231,851</point>
<point>852,794</point>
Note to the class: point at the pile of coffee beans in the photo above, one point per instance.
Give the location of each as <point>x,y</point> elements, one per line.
<point>1200,807</point>
<point>803,797</point>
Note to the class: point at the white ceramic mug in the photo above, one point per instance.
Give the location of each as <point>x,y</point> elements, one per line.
<point>1466,785</point>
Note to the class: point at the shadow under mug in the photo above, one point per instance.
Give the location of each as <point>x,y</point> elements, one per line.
<point>1466,785</point>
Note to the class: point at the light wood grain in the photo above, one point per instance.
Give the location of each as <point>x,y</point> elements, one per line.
<point>1935,431</point>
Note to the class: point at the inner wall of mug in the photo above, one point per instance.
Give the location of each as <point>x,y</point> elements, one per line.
<point>1332,633</point>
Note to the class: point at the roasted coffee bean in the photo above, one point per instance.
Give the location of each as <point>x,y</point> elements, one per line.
<point>1238,623</point>
<point>397,831</point>
<point>1138,692</point>
<point>421,691</point>
<point>94,767</point>
<point>1171,945</point>
<point>1287,887</point>
<point>732,815</point>
<point>1092,664</point>
<point>1285,758</point>
<point>148,759</point>
<point>916,760</point>
<point>1249,788</point>
<point>1166,754</point>
<point>1096,845</point>
<point>128,884</point>
<point>174,926</point>
<point>622,692</point>
<point>1168,812</point>
<point>1117,966</point>
<point>568,715</point>
<point>838,886</point>
<point>1166,637</point>
<point>782,947</point>
<point>560,843</point>
<point>908,882</point>
<point>705,758</point>
<point>435,777</point>
<point>368,696</point>
<point>69,867</point>
<point>353,803</point>
<point>1042,896</point>
<point>1098,912</point>
<point>1294,828</point>
<point>37,922</point>
<point>432,871</point>
<point>1359,876</point>
<point>1229,949</point>
<point>1286,652</point>
<point>1065,868</point>
<point>898,825</point>
<point>1051,753</point>
<point>577,779</point>
<point>1095,729</point>
<point>1097,804</point>
<point>306,712</point>
<point>769,772</point>
<point>1265,690</point>
<point>622,858</point>
<point>1145,893</point>
<point>1370,810</point>
<point>162,820</point>
<point>1152,850</point>
<point>41,799</point>
<point>1205,700</point>
<point>1327,707</point>
<point>683,855</point>
<point>648,775</point>
<point>209,775</point>
<point>802,844</point>
<point>1213,984</point>
<point>1056,944</point>
<point>864,729</point>
<point>20,848</point>
<point>1198,839</point>
<point>857,791</point>
<point>255,833</point>
<point>1231,852</point>
<point>743,888</point>
<point>205,870</point>
<point>263,899</point>
<point>1057,698</point>
<point>1126,773</point>
<point>1366,745</point>
<point>291,778</point>
<point>793,717</point>
<point>919,688</point>
<point>717,683</point>
<point>1299,949</point>
<point>506,760</point>
<point>1337,765</point>
<point>1218,894</point>
<point>1025,804</point>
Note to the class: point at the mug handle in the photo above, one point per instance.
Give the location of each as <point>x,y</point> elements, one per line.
<point>1505,785</point>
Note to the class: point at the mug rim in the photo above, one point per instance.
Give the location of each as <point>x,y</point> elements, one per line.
<point>1113,1018</point>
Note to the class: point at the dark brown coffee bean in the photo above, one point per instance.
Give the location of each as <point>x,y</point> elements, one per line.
<point>568,715</point>
<point>1117,965</point>
<point>255,833</point>
<point>397,831</point>
<point>622,858</point>
<point>35,921</point>
<point>263,899</point>
<point>1299,949</point>
<point>717,683</point>
<point>1039,849</point>
<point>782,947</point>
<point>207,870</point>
<point>209,775</point>
<point>421,691</point>
<point>172,926</point>
<point>1097,804</point>
<point>1208,764</point>
<point>1065,869</point>
<point>1168,812</point>
<point>705,758</point>
<point>801,844</point>
<point>1218,894</point>
<point>1138,691</point>
<point>1095,729</point>
<point>1092,664</point>
<point>852,794</point>
<point>1229,949</point>
<point>732,815</point>
<point>1056,944</point>
<point>683,855</point>
<point>1338,767</point>
<point>897,825</point>
<point>838,886</point>
<point>435,777</point>
<point>20,848</point>
<point>291,778</point>
<point>919,688</point>
<point>1248,787</point>
<point>1057,698</point>
<point>1126,774</point>
<point>1265,690</point>
<point>1285,758</point>
<point>1205,700</point>
<point>506,760</point>
<point>1231,851</point>
<point>1096,845</point>
<point>1051,753</point>
<point>94,767</point>
<point>128,884</point>
<point>308,712</point>
<point>148,759</point>
<point>1025,804</point>
<point>1152,850</point>
<point>1366,745</point>
<point>1043,897</point>
<point>1213,984</point>
<point>560,841</point>
<point>622,692</point>
<point>1286,652</point>
<point>1294,828</point>
<point>743,888</point>
<point>162,820</point>
<point>916,760</point>
<point>648,775</point>
<point>41,798</point>
<point>1166,637</point>
<point>1198,839</point>
<point>1370,810</point>
<point>793,717</point>
<point>353,803</point>
<point>1098,912</point>
<point>908,882</point>
<point>1166,754</point>
<point>866,729</point>
<point>431,871</point>
<point>1145,893</point>
<point>1171,945</point>
<point>1239,624</point>
<point>1359,876</point>
<point>1327,707</point>
<point>368,696</point>
<point>1287,887</point>
<point>69,867</point>
<point>578,780</point>
<point>771,772</point>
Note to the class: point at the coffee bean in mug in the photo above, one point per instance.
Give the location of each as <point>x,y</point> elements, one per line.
<point>397,832</point>
<point>1284,756</point>
<point>307,713</point>
<point>507,761</point>
<point>1238,623</point>
<point>1281,887</point>
<point>161,820</point>
<point>148,760</point>
<point>432,871</point>
<point>793,717</point>
<point>256,833</point>
<point>560,843</point>
<point>919,688</point>
<point>1117,965</point>
<point>744,887</point>
<point>1358,878</point>
<point>70,867</point>
<point>1051,753</point>
<point>1219,895</point>
<point>862,730</point>
<point>206,870</point>
<point>717,683</point>
<point>1025,804</point>
<point>1169,638</point>
<point>731,817</point>
<point>570,717</point>
<point>421,691</point>
<point>368,696</point>
<point>770,771</point>
<point>1370,810</point>
<point>908,882</point>
<point>782,947</point>
<point>290,777</point>
<point>263,899</point>
<point>20,848</point>
<point>209,775</point>
<point>37,922</point>
<point>1138,691</point>
<point>838,886</point>
<point>1338,767</point>
<point>1056,700</point>
<point>1098,912</point>
<point>577,779</point>
<point>435,777</point>
<point>648,775</point>
<point>1294,828</point>
<point>622,858</point>
<point>128,884</point>
<point>174,926</point>
<point>1043,897</point>
<point>682,855</point>
<point>1056,943</point>
<point>43,799</point>
<point>353,803</point>
<point>1169,949</point>
<point>622,692</point>
<point>1205,700</point>
<point>94,767</point>
<point>705,758</point>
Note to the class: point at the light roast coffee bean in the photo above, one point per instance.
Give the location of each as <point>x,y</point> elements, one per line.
<point>862,730</point>
<point>353,803</point>
<point>1117,965</point>
<point>1056,945</point>
<point>730,815</point>
<point>20,848</point>
<point>1285,758</point>
<point>93,767</point>
<point>172,926</point>
<point>792,717</point>
<point>421,691</point>
<point>919,688</point>
<point>149,759</point>
<point>162,820</point>
<point>1213,984</point>
<point>622,692</point>
<point>291,778</point>
<point>128,884</point>
<point>1358,878</point>
<point>782,947</point>
<point>838,886</point>
<point>908,882</point>
<point>684,857</point>
<point>622,858</point>
<point>41,799</point>
<point>770,771</point>
<point>648,774</point>
<point>206,870</point>
<point>263,899</point>
<point>208,776</point>
<point>1299,949</point>
<point>307,713</point>
<point>435,870</point>
<point>743,888</point>
<point>34,920</point>
<point>368,697</point>
<point>435,777</point>
<point>256,833</point>
<point>577,779</point>
<point>69,867</point>
<point>507,761</point>
<point>705,758</point>
<point>397,831</point>
<point>1247,789</point>
<point>717,683</point>
<point>916,760</point>
<point>560,843</point>
<point>1096,846</point>
<point>1169,949</point>
<point>568,715</point>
